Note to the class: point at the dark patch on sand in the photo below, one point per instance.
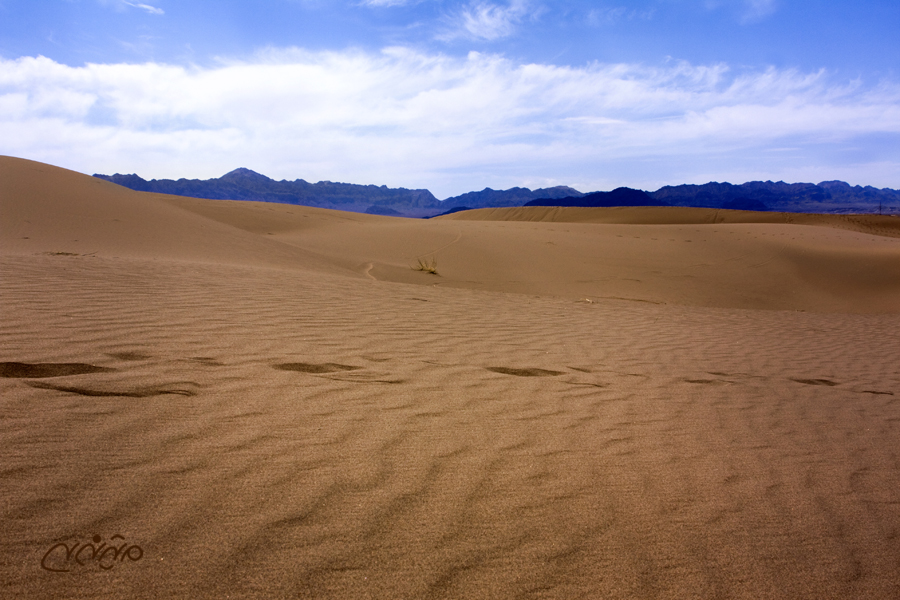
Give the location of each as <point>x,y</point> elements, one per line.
<point>33,370</point>
<point>388,381</point>
<point>206,361</point>
<point>315,368</point>
<point>128,355</point>
<point>827,382</point>
<point>524,372</point>
<point>139,392</point>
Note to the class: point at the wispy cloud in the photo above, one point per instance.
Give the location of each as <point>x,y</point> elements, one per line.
<point>746,11</point>
<point>407,118</point>
<point>387,3</point>
<point>756,10</point>
<point>487,21</point>
<point>611,15</point>
<point>121,4</point>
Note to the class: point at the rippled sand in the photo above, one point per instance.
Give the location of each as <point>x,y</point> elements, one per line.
<point>268,402</point>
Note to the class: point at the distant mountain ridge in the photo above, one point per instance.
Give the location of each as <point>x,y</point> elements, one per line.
<point>622,196</point>
<point>517,196</point>
<point>826,197</point>
<point>245,184</point>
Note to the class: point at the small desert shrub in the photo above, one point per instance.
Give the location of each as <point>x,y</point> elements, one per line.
<point>426,266</point>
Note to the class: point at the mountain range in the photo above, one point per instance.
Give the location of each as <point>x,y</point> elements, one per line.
<point>244,184</point>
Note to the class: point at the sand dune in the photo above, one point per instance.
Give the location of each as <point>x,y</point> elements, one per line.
<point>663,215</point>
<point>699,257</point>
<point>266,401</point>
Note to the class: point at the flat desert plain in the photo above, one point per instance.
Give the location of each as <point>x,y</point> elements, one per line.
<point>215,399</point>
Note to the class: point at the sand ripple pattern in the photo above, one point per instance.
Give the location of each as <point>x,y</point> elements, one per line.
<point>318,437</point>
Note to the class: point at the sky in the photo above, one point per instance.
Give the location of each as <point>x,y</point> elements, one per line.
<point>456,96</point>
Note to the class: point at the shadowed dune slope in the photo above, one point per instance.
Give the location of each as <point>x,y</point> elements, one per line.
<point>46,209</point>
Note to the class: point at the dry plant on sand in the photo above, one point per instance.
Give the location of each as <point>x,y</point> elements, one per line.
<point>426,266</point>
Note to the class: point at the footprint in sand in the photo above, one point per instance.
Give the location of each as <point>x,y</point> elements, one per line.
<point>827,382</point>
<point>314,368</point>
<point>129,356</point>
<point>337,368</point>
<point>178,389</point>
<point>206,361</point>
<point>37,370</point>
<point>45,370</point>
<point>525,372</point>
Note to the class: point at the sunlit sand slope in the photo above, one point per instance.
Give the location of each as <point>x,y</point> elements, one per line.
<point>663,215</point>
<point>231,389</point>
<point>683,256</point>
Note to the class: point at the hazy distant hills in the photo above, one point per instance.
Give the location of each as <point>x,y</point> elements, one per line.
<point>826,197</point>
<point>244,184</point>
<point>622,196</point>
<point>517,196</point>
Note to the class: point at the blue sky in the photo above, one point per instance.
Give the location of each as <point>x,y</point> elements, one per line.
<point>456,96</point>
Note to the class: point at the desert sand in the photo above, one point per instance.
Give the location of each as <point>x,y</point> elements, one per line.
<point>248,400</point>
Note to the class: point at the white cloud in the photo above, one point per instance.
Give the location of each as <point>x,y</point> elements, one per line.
<point>405,118</point>
<point>487,21</point>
